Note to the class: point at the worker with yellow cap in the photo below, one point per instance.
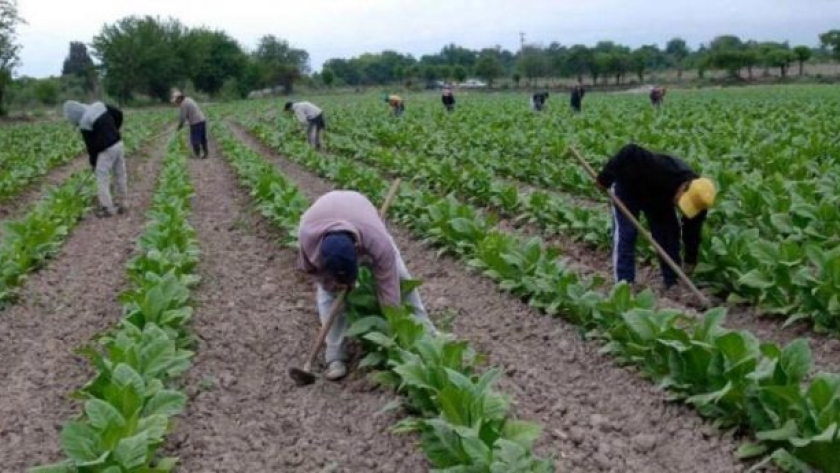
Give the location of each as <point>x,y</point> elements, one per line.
<point>653,184</point>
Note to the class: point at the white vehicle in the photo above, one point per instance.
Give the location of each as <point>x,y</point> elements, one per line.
<point>473,84</point>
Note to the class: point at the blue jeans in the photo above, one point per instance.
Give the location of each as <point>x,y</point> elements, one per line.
<point>665,229</point>
<point>198,138</point>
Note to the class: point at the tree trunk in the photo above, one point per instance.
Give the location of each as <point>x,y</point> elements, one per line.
<point>801,67</point>
<point>749,72</point>
<point>679,73</point>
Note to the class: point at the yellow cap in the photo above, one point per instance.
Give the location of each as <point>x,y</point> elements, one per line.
<point>699,196</point>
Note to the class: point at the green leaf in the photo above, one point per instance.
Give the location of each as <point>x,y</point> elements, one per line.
<point>796,359</point>
<point>103,415</point>
<point>751,450</point>
<point>131,451</point>
<point>63,467</point>
<point>522,432</point>
<point>782,434</point>
<point>165,402</point>
<point>756,279</point>
<point>79,442</point>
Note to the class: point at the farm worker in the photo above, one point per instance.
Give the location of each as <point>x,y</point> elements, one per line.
<point>538,101</point>
<point>577,96</point>
<point>311,116</point>
<point>396,103</point>
<point>448,99</point>
<point>100,127</point>
<point>191,113</point>
<point>654,183</point>
<point>657,96</point>
<point>335,234</point>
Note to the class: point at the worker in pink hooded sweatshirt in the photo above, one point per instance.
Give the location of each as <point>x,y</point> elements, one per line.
<point>338,232</point>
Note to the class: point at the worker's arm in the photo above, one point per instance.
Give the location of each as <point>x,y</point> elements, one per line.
<point>182,117</point>
<point>386,275</point>
<point>90,145</point>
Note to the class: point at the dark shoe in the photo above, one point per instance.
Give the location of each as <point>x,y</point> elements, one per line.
<point>103,212</point>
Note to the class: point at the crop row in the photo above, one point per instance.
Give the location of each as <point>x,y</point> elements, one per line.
<point>464,424</point>
<point>27,243</point>
<point>796,273</point>
<point>131,398</point>
<point>728,375</point>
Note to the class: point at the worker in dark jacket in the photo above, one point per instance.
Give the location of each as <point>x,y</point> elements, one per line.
<point>654,183</point>
<point>657,96</point>
<point>538,101</point>
<point>100,126</point>
<point>448,99</point>
<point>577,97</point>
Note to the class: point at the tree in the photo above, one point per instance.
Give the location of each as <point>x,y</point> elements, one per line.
<point>802,54</point>
<point>831,40</point>
<point>459,73</point>
<point>531,63</point>
<point>488,68</point>
<point>516,78</point>
<point>677,51</point>
<point>141,55</point>
<point>46,91</point>
<point>79,64</point>
<point>643,59</point>
<point>9,49</point>
<point>281,63</point>
<point>579,61</point>
<point>728,52</point>
<point>212,58</point>
<point>327,77</point>
<point>445,72</point>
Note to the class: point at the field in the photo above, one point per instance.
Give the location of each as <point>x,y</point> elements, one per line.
<point>161,340</point>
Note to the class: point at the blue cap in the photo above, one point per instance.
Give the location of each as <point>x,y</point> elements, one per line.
<point>338,255</point>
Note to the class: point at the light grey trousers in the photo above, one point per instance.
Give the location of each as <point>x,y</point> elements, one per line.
<point>335,337</point>
<point>112,160</point>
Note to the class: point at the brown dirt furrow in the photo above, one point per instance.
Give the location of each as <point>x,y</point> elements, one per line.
<point>63,305</point>
<point>255,318</point>
<point>596,416</point>
<point>15,207</point>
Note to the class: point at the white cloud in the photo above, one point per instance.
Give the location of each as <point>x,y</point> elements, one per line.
<point>343,28</point>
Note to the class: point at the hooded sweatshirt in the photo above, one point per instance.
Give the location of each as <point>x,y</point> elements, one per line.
<point>305,111</point>
<point>99,123</point>
<point>190,113</point>
<point>349,211</point>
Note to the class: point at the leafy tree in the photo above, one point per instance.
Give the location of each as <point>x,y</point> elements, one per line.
<point>802,54</point>
<point>643,59</point>
<point>677,51</point>
<point>9,49</point>
<point>831,40</point>
<point>488,68</point>
<point>516,79</point>
<point>579,61</point>
<point>445,72</point>
<point>79,64</point>
<point>46,91</point>
<point>431,72</point>
<point>531,63</point>
<point>728,52</point>
<point>140,54</point>
<point>328,77</point>
<point>280,63</point>
<point>212,57</point>
<point>455,55</point>
<point>459,72</point>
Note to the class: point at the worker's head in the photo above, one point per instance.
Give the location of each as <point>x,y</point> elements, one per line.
<point>177,97</point>
<point>74,111</point>
<point>338,257</point>
<point>288,106</point>
<point>695,196</point>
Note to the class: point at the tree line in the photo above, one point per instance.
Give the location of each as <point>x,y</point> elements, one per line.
<point>145,56</point>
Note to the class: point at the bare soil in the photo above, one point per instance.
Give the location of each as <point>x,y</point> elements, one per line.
<point>255,318</point>
<point>596,416</point>
<point>62,306</point>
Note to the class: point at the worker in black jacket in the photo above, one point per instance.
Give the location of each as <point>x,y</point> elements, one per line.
<point>448,99</point>
<point>100,126</point>
<point>576,98</point>
<point>654,183</point>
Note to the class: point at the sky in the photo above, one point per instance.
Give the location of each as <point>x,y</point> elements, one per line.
<point>346,28</point>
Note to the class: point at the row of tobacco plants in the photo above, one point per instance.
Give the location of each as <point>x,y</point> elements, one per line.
<point>463,422</point>
<point>129,403</point>
<point>728,375</point>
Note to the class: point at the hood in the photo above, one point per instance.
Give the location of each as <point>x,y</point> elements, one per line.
<point>74,111</point>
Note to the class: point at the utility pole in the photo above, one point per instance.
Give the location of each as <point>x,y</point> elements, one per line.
<point>521,41</point>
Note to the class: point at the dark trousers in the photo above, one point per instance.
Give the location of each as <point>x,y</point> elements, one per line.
<point>664,227</point>
<point>198,138</point>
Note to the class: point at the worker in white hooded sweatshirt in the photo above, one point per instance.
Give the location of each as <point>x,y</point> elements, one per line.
<point>100,126</point>
<point>311,116</point>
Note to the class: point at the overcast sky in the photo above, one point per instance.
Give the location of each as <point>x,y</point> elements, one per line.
<point>344,28</point>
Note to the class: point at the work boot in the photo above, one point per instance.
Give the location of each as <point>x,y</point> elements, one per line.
<point>103,212</point>
<point>336,370</point>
